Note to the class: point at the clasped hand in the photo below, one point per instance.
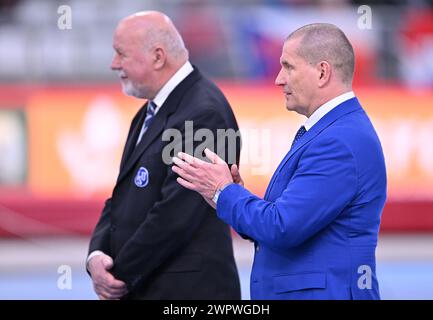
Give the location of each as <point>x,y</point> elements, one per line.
<point>204,177</point>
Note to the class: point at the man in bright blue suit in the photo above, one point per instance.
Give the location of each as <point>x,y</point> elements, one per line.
<point>316,230</point>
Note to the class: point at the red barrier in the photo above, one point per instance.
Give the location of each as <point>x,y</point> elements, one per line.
<point>22,216</point>
<point>407,216</point>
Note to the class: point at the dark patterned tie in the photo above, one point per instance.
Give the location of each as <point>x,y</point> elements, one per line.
<point>151,107</point>
<point>298,135</point>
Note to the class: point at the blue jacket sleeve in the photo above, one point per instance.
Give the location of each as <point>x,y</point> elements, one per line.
<point>323,184</point>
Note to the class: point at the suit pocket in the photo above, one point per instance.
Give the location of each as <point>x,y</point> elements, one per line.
<point>185,263</point>
<point>300,281</point>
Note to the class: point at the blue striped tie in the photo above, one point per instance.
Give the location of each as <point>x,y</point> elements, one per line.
<point>298,135</point>
<point>151,107</point>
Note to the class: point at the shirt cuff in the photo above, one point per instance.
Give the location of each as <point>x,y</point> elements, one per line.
<point>91,255</point>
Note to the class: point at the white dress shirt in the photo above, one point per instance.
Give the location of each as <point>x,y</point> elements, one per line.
<point>171,84</point>
<point>325,108</point>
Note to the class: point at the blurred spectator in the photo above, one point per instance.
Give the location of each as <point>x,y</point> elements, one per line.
<point>416,51</point>
<point>6,8</point>
<point>239,39</point>
<point>203,34</point>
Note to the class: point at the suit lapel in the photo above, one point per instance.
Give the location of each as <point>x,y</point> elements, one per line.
<point>157,126</point>
<point>149,136</point>
<point>342,109</point>
<point>130,143</point>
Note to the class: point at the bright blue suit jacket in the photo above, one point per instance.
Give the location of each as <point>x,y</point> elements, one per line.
<point>316,229</point>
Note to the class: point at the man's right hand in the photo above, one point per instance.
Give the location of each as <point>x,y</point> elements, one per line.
<point>104,284</point>
<point>234,170</point>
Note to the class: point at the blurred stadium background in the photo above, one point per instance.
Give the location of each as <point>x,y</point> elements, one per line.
<point>63,122</point>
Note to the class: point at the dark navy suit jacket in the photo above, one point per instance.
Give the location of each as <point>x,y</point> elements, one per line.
<point>165,240</point>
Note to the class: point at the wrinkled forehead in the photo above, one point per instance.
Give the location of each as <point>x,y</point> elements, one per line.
<point>289,50</point>
<point>126,35</point>
<point>291,44</point>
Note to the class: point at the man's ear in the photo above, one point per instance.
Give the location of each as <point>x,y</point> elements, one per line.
<point>324,73</point>
<point>159,58</point>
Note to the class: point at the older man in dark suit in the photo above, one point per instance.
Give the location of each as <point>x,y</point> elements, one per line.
<point>156,239</point>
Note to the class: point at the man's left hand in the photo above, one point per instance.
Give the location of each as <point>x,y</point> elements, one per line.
<point>204,177</point>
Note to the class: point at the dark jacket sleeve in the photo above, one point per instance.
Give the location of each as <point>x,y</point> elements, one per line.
<point>101,234</point>
<point>169,225</point>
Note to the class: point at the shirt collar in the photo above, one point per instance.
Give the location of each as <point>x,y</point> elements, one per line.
<point>171,84</point>
<point>325,108</point>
